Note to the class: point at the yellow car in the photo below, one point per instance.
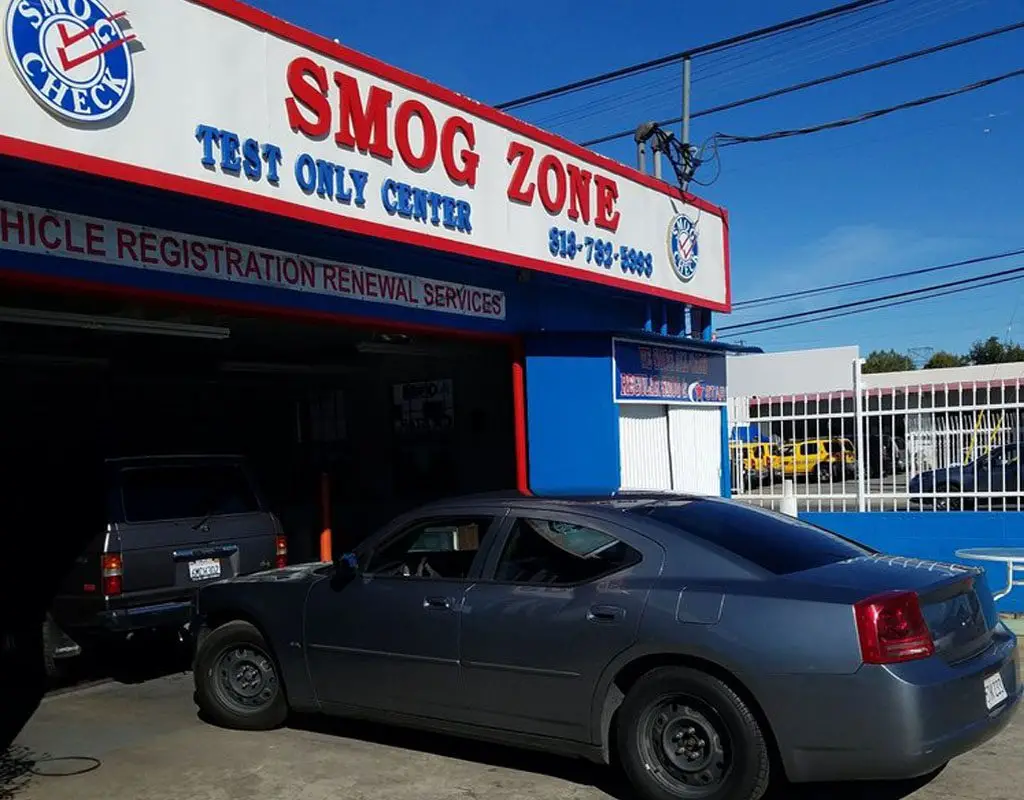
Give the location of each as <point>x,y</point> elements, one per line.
<point>830,459</point>
<point>753,461</point>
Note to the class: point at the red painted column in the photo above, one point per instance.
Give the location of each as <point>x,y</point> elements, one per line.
<point>519,409</point>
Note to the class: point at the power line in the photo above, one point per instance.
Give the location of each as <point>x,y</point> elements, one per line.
<point>722,44</point>
<point>871,300</point>
<point>835,287</point>
<point>876,308</point>
<point>780,49</point>
<point>837,76</point>
<point>729,140</point>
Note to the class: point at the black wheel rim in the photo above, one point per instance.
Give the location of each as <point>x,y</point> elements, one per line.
<point>245,679</point>
<point>685,746</point>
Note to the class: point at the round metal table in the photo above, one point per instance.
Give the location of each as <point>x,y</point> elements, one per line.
<point>1012,557</point>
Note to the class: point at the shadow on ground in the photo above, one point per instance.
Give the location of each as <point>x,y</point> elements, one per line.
<point>141,659</point>
<point>605,779</point>
<point>15,772</point>
<point>487,755</point>
<point>867,790</point>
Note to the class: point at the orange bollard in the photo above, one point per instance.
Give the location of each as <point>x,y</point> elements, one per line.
<point>325,508</point>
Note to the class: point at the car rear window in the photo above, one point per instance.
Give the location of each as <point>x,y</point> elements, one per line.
<point>150,494</point>
<point>773,541</point>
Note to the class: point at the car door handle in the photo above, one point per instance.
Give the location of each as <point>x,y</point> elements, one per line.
<point>440,603</point>
<point>605,613</point>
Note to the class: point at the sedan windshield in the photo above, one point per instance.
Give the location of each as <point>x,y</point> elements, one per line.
<point>774,542</point>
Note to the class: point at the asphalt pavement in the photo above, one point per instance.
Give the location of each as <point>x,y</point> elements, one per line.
<point>120,741</point>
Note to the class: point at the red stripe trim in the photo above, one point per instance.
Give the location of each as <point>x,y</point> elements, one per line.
<point>43,154</point>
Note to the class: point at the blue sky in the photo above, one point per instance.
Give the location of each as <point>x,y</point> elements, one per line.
<point>921,187</point>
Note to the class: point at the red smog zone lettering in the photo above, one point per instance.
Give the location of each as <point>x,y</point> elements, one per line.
<point>585,192</point>
<point>368,126</point>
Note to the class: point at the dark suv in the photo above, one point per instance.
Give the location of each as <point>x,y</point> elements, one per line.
<point>172,524</point>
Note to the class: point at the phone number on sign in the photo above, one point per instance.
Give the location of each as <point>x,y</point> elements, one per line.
<point>566,244</point>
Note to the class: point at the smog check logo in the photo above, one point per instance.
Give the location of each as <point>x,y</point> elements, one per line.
<point>683,251</point>
<point>73,57</point>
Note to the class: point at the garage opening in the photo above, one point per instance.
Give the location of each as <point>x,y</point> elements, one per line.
<point>391,419</point>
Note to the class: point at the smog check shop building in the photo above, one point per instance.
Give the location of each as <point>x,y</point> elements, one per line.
<point>265,243</point>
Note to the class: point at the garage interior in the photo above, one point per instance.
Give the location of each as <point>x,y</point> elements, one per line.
<point>395,419</point>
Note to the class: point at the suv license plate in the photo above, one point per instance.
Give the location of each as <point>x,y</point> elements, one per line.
<point>204,570</point>
<point>995,691</point>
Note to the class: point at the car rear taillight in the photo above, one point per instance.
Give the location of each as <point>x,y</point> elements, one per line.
<point>892,629</point>
<point>281,556</point>
<point>112,571</point>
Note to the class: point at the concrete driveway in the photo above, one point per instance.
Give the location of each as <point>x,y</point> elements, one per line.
<point>123,742</point>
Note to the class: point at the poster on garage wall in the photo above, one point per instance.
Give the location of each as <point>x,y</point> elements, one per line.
<point>424,407</point>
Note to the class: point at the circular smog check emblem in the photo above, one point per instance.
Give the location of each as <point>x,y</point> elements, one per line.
<point>682,247</point>
<point>73,56</point>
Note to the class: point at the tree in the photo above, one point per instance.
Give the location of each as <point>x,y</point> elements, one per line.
<point>993,351</point>
<point>944,360</point>
<point>887,361</point>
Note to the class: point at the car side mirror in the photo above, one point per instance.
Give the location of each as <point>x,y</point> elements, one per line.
<point>347,564</point>
<point>346,568</point>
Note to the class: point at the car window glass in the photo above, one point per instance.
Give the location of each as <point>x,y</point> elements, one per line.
<point>777,543</point>
<point>442,548</point>
<point>555,553</point>
<point>787,450</point>
<point>149,494</point>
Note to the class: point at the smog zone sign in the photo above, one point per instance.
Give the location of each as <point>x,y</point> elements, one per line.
<point>280,120</point>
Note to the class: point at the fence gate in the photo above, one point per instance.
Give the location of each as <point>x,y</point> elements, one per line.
<point>924,445</point>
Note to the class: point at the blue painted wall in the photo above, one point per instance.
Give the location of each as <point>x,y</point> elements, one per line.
<point>572,423</point>
<point>935,536</point>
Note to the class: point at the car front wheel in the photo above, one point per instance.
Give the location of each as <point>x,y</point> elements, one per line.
<point>237,680</point>
<point>685,734</point>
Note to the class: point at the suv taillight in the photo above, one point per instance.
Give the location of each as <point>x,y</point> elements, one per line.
<point>281,556</point>
<point>112,571</point>
<point>892,629</point>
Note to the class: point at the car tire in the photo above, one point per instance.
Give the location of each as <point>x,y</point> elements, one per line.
<point>238,682</point>
<point>685,734</point>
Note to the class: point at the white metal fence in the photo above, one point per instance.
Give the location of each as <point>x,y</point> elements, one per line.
<point>928,447</point>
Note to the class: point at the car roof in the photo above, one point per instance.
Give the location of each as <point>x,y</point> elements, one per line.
<point>618,501</point>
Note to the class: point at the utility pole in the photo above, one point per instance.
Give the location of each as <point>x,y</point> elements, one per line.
<point>685,131</point>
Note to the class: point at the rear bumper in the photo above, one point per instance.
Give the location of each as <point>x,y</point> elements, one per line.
<point>170,615</point>
<point>893,723</point>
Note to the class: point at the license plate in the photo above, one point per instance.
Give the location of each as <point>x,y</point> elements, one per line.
<point>995,691</point>
<point>204,569</point>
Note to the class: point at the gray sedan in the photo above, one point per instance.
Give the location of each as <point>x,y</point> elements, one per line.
<point>705,644</point>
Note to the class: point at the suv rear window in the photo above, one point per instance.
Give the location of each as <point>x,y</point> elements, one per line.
<point>773,541</point>
<point>194,490</point>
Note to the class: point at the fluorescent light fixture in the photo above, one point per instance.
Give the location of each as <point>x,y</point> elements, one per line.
<point>52,360</point>
<point>261,368</point>
<point>387,349</point>
<point>53,319</point>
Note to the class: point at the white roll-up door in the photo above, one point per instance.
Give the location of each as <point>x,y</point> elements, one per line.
<point>695,435</point>
<point>644,448</point>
